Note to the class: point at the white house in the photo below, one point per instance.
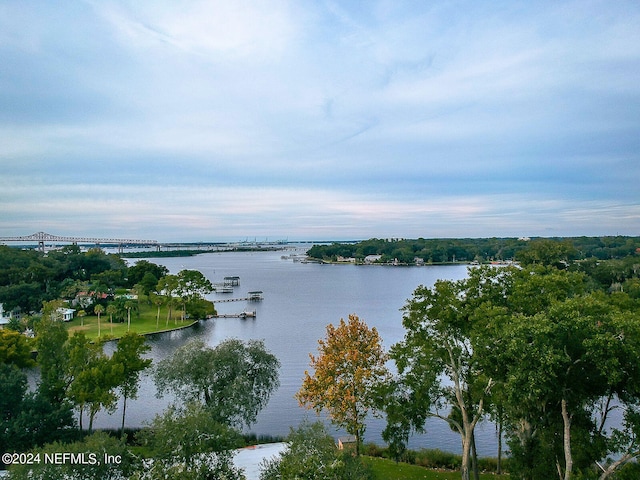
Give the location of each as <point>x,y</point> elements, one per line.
<point>67,314</point>
<point>3,320</point>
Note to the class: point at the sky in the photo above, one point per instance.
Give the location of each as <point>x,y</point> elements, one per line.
<point>319,120</point>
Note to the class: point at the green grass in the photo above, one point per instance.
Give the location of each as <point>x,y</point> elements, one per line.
<point>142,323</point>
<point>385,469</point>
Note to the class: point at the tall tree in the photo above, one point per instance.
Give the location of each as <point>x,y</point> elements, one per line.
<point>167,285</point>
<point>92,377</point>
<point>51,336</point>
<point>191,285</point>
<point>348,374</point>
<point>437,363</point>
<point>188,443</point>
<point>234,380</point>
<point>128,359</point>
<point>99,310</point>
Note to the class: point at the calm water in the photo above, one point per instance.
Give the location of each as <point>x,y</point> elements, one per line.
<point>299,301</point>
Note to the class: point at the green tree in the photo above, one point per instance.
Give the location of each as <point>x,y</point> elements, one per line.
<point>128,358</point>
<point>348,373</point>
<point>98,310</point>
<point>438,365</point>
<point>189,443</point>
<point>168,285</point>
<point>311,454</point>
<point>15,349</point>
<point>92,377</point>
<point>13,387</point>
<point>234,380</point>
<point>565,365</point>
<point>111,311</point>
<point>51,336</point>
<point>192,285</point>
<point>93,450</point>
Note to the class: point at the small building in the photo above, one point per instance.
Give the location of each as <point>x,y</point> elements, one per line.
<point>349,440</point>
<point>372,258</point>
<point>67,314</point>
<point>232,281</point>
<point>4,321</point>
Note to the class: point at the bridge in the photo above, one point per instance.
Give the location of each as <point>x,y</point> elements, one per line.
<point>42,238</point>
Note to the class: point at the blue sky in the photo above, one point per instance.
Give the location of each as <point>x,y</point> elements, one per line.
<point>207,120</point>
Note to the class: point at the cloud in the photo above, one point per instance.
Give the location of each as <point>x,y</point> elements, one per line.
<point>335,119</point>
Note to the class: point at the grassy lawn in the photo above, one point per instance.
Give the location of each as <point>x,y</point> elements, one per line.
<point>144,322</point>
<point>385,469</point>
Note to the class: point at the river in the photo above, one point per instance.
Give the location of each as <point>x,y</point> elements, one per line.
<point>300,299</point>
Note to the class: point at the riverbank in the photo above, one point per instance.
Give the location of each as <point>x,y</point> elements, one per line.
<point>145,322</point>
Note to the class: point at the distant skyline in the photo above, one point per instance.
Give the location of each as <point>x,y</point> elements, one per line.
<point>218,120</point>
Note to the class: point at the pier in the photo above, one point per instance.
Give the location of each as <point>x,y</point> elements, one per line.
<point>253,297</point>
<point>244,314</point>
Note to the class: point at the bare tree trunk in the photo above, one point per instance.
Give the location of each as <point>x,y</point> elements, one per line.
<point>499,427</point>
<point>124,411</point>
<point>466,449</point>
<point>568,459</point>
<point>474,456</point>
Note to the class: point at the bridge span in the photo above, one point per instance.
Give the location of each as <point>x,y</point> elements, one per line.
<point>42,238</point>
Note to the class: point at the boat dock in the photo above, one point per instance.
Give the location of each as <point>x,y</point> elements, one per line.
<point>253,297</point>
<point>244,314</point>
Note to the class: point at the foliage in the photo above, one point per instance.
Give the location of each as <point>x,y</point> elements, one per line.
<point>438,365</point>
<point>90,463</point>
<point>93,377</point>
<point>348,374</point>
<point>234,380</point>
<point>481,249</point>
<point>311,454</point>
<point>190,443</point>
<point>51,337</point>
<point>15,349</point>
<point>128,359</point>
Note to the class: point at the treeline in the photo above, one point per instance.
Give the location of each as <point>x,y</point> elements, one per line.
<point>28,277</point>
<point>445,250</point>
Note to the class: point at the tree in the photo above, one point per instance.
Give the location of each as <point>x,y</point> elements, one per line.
<point>563,367</point>
<point>128,357</point>
<point>98,309</point>
<point>111,311</point>
<point>158,301</point>
<point>13,387</point>
<point>438,345</point>
<point>15,349</point>
<point>51,336</point>
<point>234,380</point>
<point>348,373</point>
<point>168,285</point>
<point>92,377</point>
<point>129,305</point>
<point>311,454</point>
<point>92,450</point>
<point>189,443</point>
<point>191,285</point>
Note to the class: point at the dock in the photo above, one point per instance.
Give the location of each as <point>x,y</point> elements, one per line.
<point>244,314</point>
<point>253,297</point>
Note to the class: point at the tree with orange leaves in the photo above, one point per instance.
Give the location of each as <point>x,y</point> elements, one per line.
<point>348,372</point>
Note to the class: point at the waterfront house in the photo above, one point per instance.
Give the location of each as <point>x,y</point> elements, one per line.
<point>66,313</point>
<point>4,321</point>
